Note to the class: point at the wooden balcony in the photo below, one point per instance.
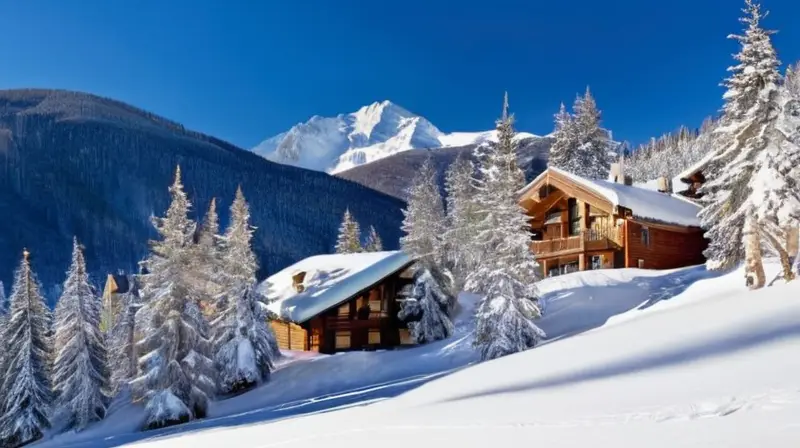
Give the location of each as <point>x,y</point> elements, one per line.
<point>588,240</point>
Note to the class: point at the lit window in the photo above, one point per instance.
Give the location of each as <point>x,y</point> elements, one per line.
<point>641,264</point>
<point>374,337</point>
<point>344,310</point>
<point>342,340</point>
<point>645,237</point>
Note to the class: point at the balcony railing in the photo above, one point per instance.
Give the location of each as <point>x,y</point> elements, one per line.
<point>589,239</point>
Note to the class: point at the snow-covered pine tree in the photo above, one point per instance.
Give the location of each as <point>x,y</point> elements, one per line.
<point>562,152</point>
<point>461,220</point>
<point>349,239</point>
<point>209,260</point>
<point>749,113</point>
<point>80,375</point>
<point>592,154</point>
<point>26,389</point>
<point>243,339</point>
<point>506,272</point>
<point>175,372</point>
<point>122,359</point>
<point>427,305</point>
<point>424,218</point>
<point>374,242</point>
<point>776,192</point>
<point>792,79</point>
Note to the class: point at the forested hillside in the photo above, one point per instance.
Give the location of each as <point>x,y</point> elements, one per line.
<point>73,164</point>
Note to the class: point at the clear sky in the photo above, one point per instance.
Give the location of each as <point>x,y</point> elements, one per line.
<point>246,70</point>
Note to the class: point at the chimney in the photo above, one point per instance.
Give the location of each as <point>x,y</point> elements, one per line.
<point>613,173</point>
<point>617,173</point>
<point>664,185</point>
<point>297,281</point>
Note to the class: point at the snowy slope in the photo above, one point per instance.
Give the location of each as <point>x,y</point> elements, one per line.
<point>699,370</point>
<point>634,358</point>
<point>335,144</point>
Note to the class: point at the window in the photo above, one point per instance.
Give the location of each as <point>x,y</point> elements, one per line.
<point>641,264</point>
<point>374,337</point>
<point>645,237</point>
<point>342,340</point>
<point>405,337</point>
<point>574,217</point>
<point>344,310</point>
<point>597,262</point>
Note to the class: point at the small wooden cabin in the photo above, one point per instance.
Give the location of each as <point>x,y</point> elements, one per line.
<point>581,224</point>
<point>340,302</point>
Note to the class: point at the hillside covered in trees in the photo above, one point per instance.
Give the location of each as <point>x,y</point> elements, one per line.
<point>73,164</point>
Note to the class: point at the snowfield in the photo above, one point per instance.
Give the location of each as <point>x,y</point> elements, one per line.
<point>633,358</point>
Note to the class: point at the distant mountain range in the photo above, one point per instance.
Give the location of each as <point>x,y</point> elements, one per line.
<point>374,132</point>
<point>77,164</point>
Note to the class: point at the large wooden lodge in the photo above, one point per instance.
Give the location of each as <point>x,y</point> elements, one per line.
<point>580,224</point>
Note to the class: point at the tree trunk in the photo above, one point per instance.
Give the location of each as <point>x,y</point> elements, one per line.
<point>754,268</point>
<point>783,253</point>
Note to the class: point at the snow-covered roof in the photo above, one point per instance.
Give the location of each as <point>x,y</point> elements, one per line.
<point>643,203</point>
<point>685,174</point>
<point>329,281</point>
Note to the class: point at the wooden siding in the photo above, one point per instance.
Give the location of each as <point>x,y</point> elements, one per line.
<point>667,248</point>
<point>348,326</point>
<point>289,335</point>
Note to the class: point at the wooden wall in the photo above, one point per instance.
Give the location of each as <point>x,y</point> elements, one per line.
<point>667,250</point>
<point>290,336</point>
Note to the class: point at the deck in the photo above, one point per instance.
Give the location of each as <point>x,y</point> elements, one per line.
<point>588,240</point>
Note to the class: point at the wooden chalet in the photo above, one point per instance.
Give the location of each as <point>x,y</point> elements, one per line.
<point>581,224</point>
<point>340,302</point>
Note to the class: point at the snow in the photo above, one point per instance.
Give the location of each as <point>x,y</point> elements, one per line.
<point>376,131</point>
<point>330,280</point>
<point>683,357</point>
<point>643,202</point>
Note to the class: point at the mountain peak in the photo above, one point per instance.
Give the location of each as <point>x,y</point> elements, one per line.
<point>374,131</point>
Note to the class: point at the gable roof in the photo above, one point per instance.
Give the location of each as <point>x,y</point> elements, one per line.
<point>330,280</point>
<point>643,203</point>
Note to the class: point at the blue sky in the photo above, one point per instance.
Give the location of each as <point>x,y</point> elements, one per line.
<point>245,70</point>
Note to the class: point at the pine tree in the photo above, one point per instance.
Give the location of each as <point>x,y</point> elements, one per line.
<point>209,259</point>
<point>243,339</point>
<point>26,390</point>
<point>80,376</point>
<point>374,242</point>
<point>122,359</point>
<point>593,143</point>
<point>745,144</point>
<point>506,272</point>
<point>427,305</point>
<point>424,218</point>
<point>461,220</point>
<point>565,145</point>
<point>349,240</point>
<point>792,79</point>
<point>175,373</point>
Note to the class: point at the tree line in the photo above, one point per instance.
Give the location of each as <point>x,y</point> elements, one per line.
<point>194,328</point>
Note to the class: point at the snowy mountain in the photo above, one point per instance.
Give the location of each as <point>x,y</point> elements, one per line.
<point>374,132</point>
<point>76,164</point>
